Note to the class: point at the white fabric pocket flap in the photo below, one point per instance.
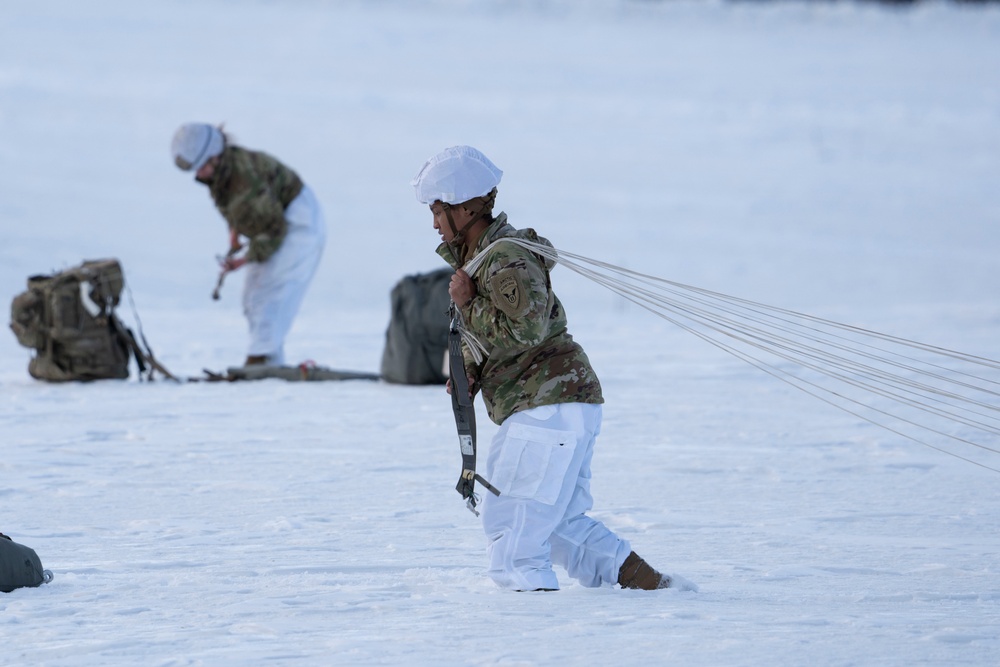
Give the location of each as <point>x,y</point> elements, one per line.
<point>533,462</point>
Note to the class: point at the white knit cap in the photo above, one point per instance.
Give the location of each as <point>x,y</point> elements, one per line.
<point>194,144</point>
<point>455,175</point>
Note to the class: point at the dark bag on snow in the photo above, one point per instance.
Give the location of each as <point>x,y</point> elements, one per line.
<point>69,319</point>
<point>416,342</point>
<point>20,566</point>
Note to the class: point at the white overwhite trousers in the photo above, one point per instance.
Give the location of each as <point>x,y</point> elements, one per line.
<point>539,460</point>
<point>273,290</point>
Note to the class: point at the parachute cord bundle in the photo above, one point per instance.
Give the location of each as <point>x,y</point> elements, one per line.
<point>921,392</point>
<point>473,344</point>
<point>145,355</point>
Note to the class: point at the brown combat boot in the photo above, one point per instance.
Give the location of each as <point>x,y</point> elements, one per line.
<point>256,360</point>
<point>637,573</point>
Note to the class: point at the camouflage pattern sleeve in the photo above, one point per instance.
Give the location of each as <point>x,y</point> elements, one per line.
<point>473,370</point>
<point>252,190</point>
<point>262,222</point>
<point>530,358</point>
<point>510,310</point>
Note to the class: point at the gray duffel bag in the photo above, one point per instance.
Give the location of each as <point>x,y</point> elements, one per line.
<point>20,566</point>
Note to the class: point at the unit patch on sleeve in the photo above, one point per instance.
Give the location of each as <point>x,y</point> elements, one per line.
<point>508,292</point>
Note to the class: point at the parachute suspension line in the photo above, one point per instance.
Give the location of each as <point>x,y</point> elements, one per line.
<point>144,354</point>
<point>904,388</point>
<point>135,311</point>
<point>475,346</point>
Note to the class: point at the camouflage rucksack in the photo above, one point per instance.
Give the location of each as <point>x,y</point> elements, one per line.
<point>69,320</point>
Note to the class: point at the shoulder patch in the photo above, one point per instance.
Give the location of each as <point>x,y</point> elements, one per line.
<point>508,293</point>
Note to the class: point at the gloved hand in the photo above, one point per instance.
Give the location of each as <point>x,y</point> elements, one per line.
<point>230,263</point>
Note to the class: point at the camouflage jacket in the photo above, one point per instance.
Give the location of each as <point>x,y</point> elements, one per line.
<point>531,360</point>
<point>252,190</point>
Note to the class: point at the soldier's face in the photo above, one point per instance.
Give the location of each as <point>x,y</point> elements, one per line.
<point>459,215</point>
<point>208,169</point>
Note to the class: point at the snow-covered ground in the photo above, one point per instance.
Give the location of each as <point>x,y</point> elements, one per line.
<point>839,159</point>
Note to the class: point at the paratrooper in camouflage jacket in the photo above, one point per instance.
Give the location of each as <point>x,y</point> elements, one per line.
<point>252,190</point>
<point>531,360</point>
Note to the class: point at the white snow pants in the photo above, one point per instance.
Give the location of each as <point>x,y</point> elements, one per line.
<point>273,290</point>
<point>539,460</point>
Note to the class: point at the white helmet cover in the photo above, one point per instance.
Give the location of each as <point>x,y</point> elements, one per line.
<point>194,144</point>
<point>455,175</point>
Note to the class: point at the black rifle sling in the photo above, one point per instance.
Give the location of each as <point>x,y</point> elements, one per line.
<point>465,416</point>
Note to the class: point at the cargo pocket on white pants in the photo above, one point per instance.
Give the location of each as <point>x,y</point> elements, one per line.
<point>533,463</point>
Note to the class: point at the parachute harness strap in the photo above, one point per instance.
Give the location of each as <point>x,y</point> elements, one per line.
<point>465,416</point>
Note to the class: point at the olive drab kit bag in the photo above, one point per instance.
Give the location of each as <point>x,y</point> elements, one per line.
<point>416,341</point>
<point>68,319</point>
<point>20,566</point>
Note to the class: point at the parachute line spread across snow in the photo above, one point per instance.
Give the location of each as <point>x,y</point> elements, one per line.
<point>933,396</point>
